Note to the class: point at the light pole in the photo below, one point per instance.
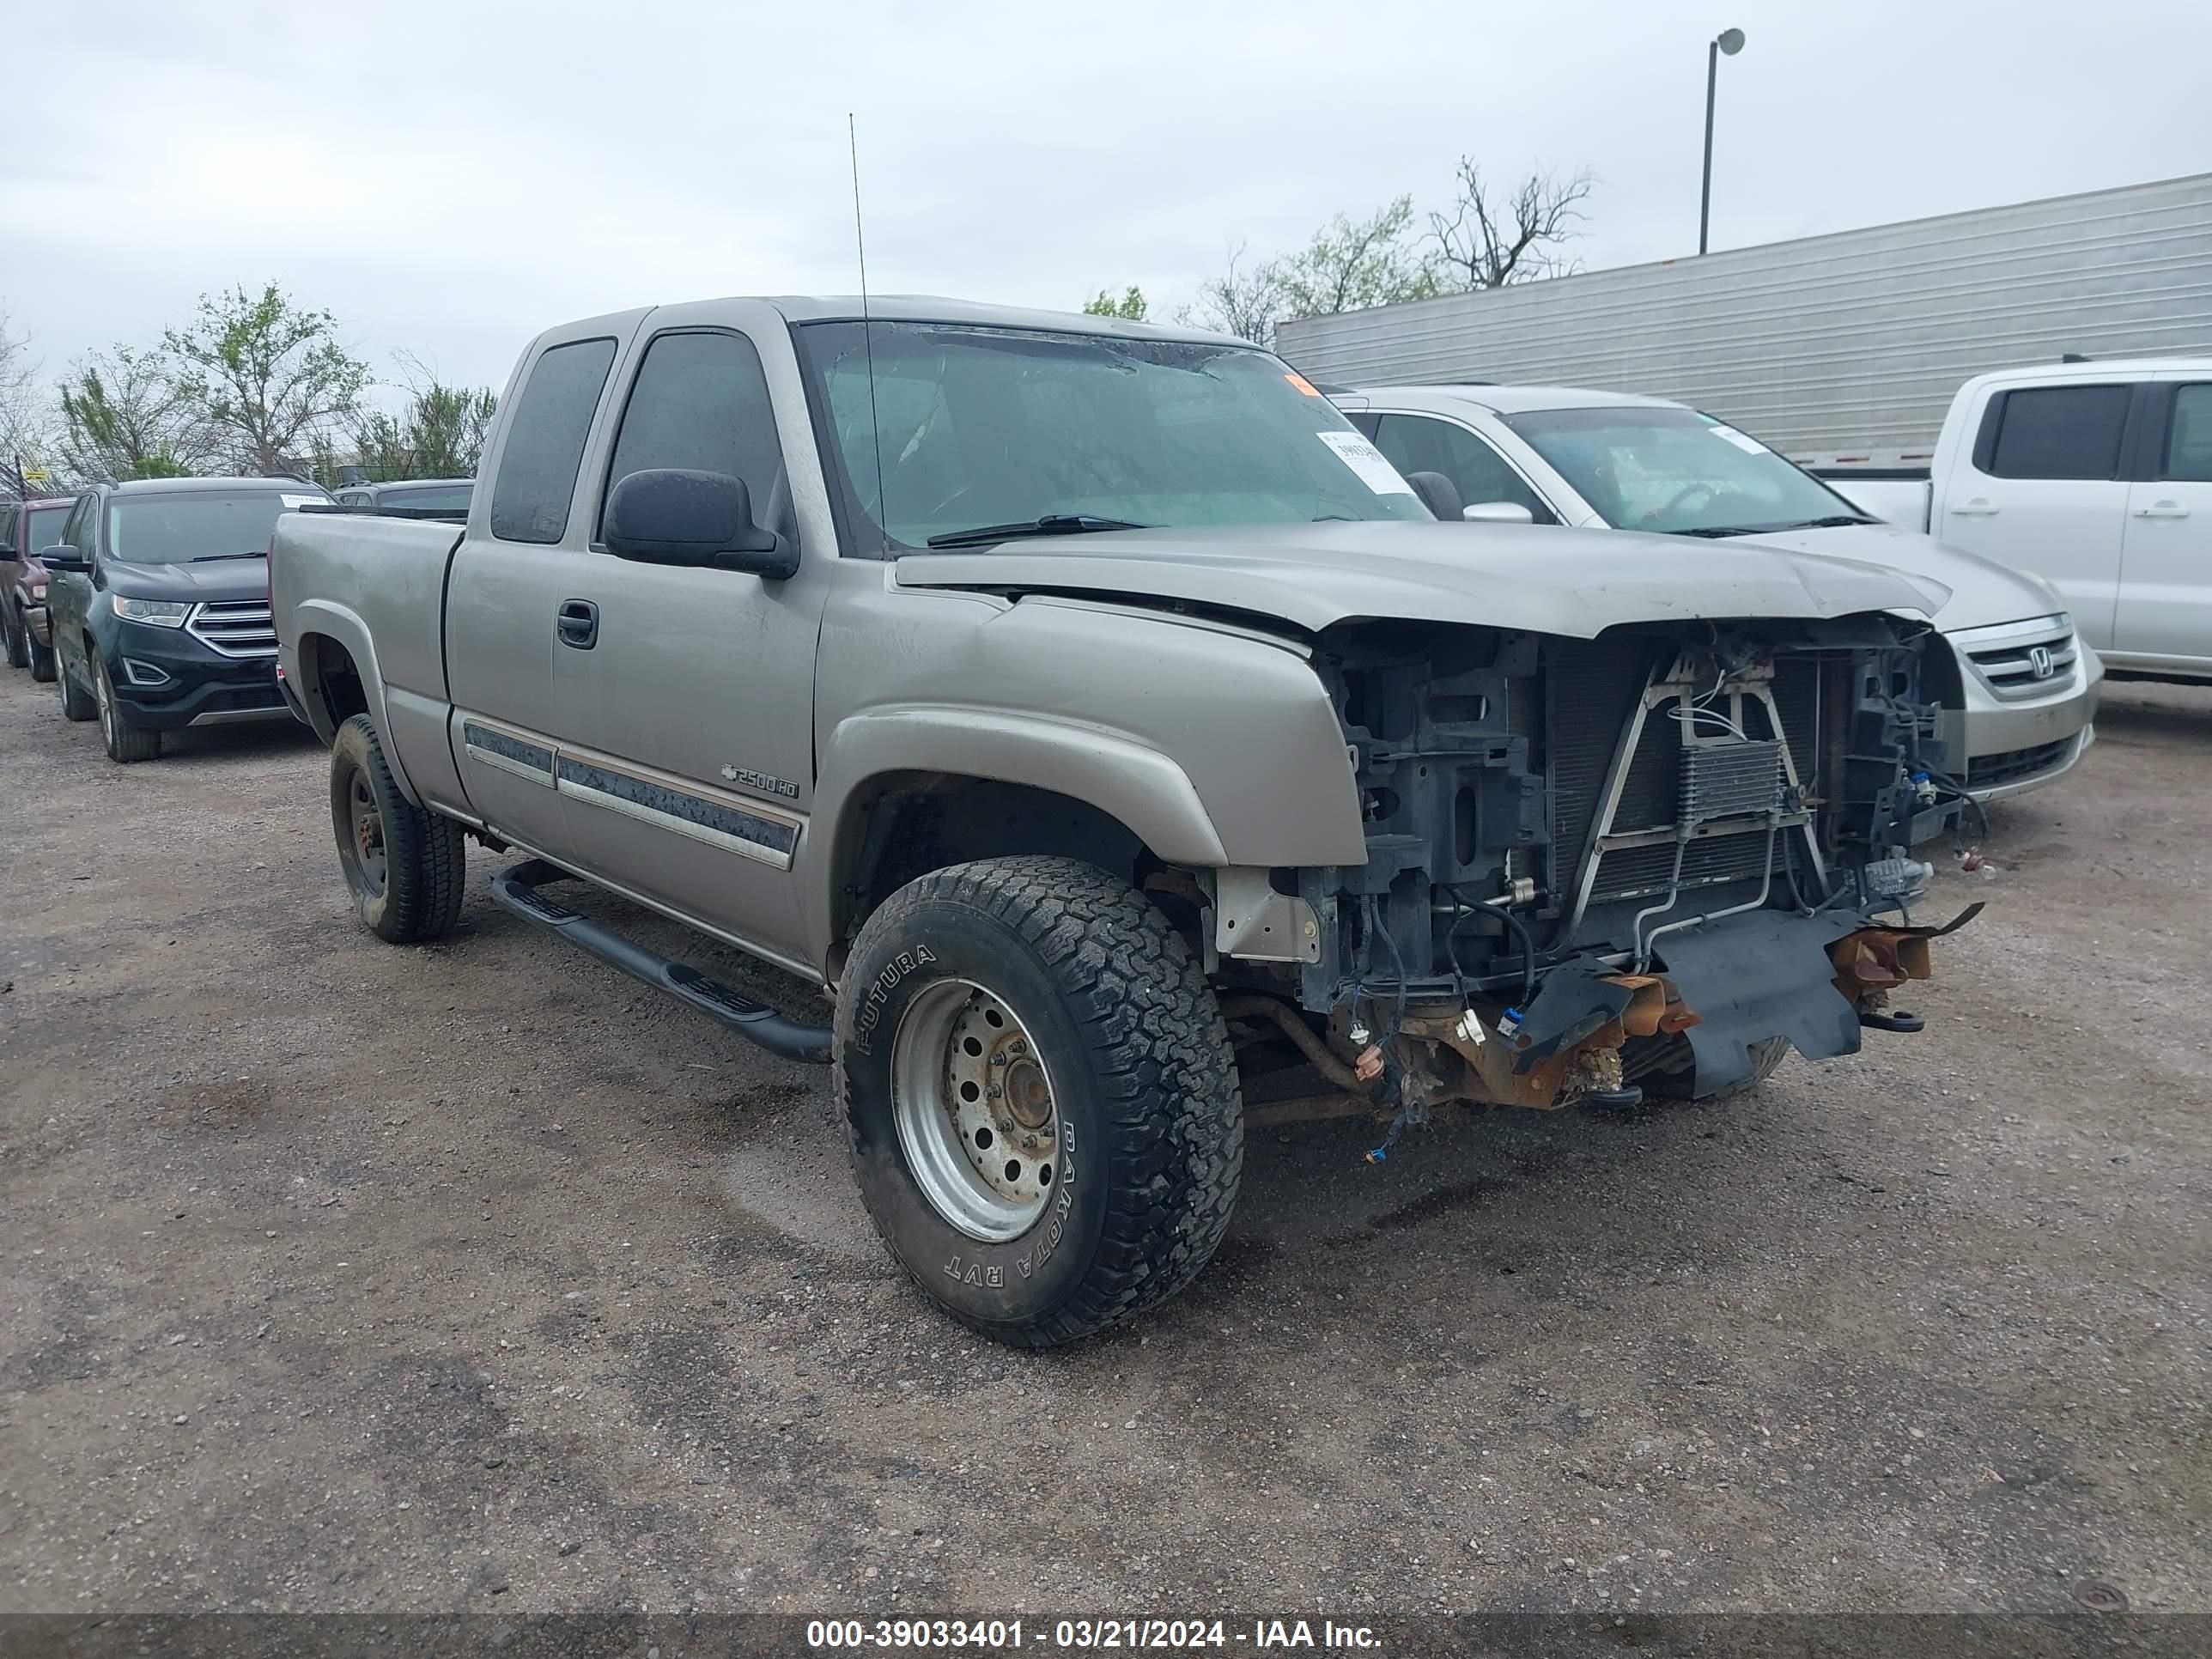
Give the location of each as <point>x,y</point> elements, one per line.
<point>1731,42</point>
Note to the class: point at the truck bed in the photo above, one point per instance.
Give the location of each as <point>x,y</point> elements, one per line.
<point>370,582</point>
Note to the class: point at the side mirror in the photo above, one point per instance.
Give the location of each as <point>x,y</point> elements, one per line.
<point>674,515</point>
<point>64,558</point>
<point>1437,493</point>
<point>1498,513</point>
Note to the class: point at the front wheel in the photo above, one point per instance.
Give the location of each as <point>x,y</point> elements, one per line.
<point>1043,1106</point>
<point>404,864</point>
<point>77,704</point>
<point>42,656</point>
<point>1673,1073</point>
<point>16,637</point>
<point>126,743</point>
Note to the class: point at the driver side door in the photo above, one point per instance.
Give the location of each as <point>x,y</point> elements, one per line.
<point>69,592</point>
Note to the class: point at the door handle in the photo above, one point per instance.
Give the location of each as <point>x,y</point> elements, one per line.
<point>1977,509</point>
<point>2162,510</point>
<point>578,624</point>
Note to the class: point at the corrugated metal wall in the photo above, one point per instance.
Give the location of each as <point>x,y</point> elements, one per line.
<point>1852,344</point>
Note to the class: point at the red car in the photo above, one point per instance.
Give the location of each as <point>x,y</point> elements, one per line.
<point>26,529</point>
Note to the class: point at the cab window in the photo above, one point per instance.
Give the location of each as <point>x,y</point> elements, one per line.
<point>699,402</point>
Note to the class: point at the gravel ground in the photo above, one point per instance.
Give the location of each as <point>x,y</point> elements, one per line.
<point>474,1277</point>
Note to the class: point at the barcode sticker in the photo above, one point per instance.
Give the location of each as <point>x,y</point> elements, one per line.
<point>1364,459</point>
<point>1750,446</point>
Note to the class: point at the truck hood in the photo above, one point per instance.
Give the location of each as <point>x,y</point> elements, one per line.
<point>215,579</point>
<point>1546,579</point>
<point>1982,590</point>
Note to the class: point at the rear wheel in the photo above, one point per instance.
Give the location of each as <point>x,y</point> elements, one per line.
<point>126,743</point>
<point>404,866</point>
<point>77,704</point>
<point>1044,1111</point>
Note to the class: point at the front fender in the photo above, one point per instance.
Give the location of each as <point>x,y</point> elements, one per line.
<point>303,669</point>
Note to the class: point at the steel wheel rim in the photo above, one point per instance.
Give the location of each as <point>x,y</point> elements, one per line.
<point>365,832</point>
<point>103,695</point>
<point>974,1110</point>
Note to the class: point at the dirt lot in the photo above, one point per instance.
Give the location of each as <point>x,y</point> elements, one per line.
<point>343,1276</point>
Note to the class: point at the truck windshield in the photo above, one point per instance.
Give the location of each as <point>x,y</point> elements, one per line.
<point>173,528</point>
<point>1678,472</point>
<point>969,427</point>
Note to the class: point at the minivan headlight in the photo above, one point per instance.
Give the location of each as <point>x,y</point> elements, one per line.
<point>161,613</point>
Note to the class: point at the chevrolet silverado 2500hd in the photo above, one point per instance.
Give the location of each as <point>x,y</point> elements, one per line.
<point>1083,704</point>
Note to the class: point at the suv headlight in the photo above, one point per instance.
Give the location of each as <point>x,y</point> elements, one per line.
<point>161,613</point>
<point>38,590</point>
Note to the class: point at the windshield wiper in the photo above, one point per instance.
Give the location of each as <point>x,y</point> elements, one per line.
<point>1052,524</point>
<point>250,553</point>
<point>1716,531</point>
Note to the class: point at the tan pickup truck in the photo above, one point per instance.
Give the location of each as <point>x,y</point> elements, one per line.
<point>1097,718</point>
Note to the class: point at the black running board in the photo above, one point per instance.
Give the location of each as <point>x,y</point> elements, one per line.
<point>516,887</point>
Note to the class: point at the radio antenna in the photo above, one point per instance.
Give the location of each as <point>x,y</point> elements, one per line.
<point>868,332</point>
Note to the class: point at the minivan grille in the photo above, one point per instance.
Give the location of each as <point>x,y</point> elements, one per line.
<point>2021,660</point>
<point>236,627</point>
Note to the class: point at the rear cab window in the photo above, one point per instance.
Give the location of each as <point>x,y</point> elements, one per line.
<point>2056,432</point>
<point>543,449</point>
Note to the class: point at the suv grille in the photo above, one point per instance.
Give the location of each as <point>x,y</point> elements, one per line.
<point>236,627</point>
<point>2021,660</point>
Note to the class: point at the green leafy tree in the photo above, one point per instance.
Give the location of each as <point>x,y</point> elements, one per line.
<point>269,376</point>
<point>440,434</point>
<point>1354,265</point>
<point>1130,306</point>
<point>125,417</point>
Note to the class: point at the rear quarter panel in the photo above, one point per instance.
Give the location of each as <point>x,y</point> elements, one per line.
<point>377,588</point>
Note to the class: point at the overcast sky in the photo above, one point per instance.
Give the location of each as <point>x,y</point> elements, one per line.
<point>449,178</point>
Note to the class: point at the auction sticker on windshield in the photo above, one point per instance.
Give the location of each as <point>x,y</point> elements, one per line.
<point>1749,445</point>
<point>1364,459</point>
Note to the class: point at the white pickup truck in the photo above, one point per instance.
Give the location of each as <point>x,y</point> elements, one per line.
<point>2097,476</point>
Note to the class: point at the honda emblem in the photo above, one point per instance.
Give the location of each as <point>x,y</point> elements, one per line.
<point>2038,659</point>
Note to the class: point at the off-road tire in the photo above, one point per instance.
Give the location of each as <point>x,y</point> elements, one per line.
<point>1143,1078</point>
<point>18,639</point>
<point>126,743</point>
<point>1672,1081</point>
<point>77,704</point>
<point>425,859</point>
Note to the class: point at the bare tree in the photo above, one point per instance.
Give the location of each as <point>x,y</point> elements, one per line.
<point>1245,302</point>
<point>23,435</point>
<point>1355,265</point>
<point>1490,243</point>
<point>124,416</point>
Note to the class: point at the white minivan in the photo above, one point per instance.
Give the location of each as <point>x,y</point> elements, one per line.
<point>2022,696</point>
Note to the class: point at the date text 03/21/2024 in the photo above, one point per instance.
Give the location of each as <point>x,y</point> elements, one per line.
<point>1087,1634</point>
